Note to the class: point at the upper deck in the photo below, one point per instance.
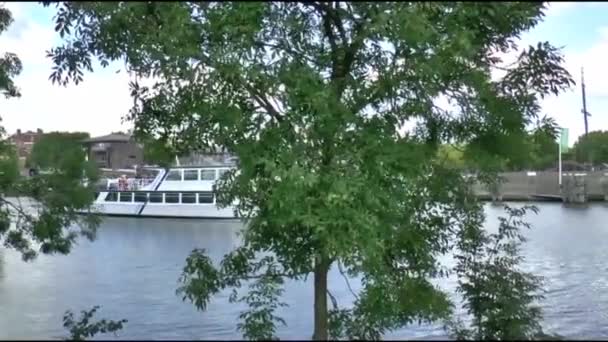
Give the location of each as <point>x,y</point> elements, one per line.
<point>191,178</point>
<point>187,178</point>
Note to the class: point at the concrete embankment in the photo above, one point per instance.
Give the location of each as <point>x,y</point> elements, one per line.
<point>578,187</point>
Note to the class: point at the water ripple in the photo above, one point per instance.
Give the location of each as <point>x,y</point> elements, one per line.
<point>133,267</point>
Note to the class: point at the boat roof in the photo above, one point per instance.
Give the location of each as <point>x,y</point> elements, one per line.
<point>114,137</point>
<point>187,167</point>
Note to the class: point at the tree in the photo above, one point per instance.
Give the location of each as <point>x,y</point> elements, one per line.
<point>58,197</point>
<point>55,225</point>
<point>592,148</point>
<point>499,297</point>
<point>56,148</point>
<point>311,97</point>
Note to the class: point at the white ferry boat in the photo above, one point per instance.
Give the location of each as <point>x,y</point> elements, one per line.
<point>179,192</point>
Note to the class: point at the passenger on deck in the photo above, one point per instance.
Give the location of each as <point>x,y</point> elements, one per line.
<point>122,183</point>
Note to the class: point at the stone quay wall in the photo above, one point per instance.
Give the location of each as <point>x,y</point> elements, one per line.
<point>523,186</point>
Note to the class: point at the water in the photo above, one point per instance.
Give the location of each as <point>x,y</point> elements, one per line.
<point>131,270</point>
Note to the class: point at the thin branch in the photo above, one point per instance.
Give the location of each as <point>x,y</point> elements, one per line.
<point>263,102</point>
<point>17,208</point>
<point>334,302</point>
<point>268,275</point>
<point>346,280</point>
<point>287,49</point>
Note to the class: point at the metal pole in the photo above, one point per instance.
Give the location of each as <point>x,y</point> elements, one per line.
<point>559,162</point>
<point>585,114</point>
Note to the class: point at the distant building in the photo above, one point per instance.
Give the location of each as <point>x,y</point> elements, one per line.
<point>24,142</point>
<point>115,151</point>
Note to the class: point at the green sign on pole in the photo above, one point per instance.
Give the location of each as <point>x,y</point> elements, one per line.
<point>563,140</point>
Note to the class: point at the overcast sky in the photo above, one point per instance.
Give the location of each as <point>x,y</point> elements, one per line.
<point>98,105</point>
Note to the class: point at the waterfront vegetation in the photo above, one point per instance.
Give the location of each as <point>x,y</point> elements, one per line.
<point>311,97</point>
<point>539,152</point>
<point>54,150</point>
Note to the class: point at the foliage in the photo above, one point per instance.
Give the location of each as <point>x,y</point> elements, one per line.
<point>54,149</point>
<point>312,98</point>
<point>9,164</point>
<point>82,329</point>
<point>156,152</point>
<point>544,145</point>
<point>10,65</point>
<point>592,148</point>
<point>453,156</point>
<point>498,296</point>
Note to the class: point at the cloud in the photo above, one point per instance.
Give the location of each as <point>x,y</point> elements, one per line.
<point>567,108</point>
<point>96,105</point>
<point>557,8</point>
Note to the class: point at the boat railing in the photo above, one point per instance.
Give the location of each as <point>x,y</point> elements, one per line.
<point>131,183</point>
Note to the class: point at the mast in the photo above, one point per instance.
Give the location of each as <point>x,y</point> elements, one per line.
<point>585,113</point>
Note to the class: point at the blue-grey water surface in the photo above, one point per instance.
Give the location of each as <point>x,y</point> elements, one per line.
<point>131,270</point>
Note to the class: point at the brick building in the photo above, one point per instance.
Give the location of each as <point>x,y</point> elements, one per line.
<point>115,151</point>
<point>24,142</point>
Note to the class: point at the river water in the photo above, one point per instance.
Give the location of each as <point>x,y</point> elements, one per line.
<point>131,270</point>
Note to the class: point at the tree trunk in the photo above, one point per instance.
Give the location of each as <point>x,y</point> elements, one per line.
<point>320,311</point>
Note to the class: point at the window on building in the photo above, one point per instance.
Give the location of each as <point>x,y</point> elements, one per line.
<point>205,197</point>
<point>126,197</point>
<point>190,175</point>
<point>156,197</point>
<point>140,197</point>
<point>112,197</point>
<point>188,198</point>
<point>174,175</point>
<point>208,175</point>
<point>101,156</point>
<point>172,197</point>
<point>132,157</point>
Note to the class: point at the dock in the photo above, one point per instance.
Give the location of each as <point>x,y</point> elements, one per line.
<point>577,187</point>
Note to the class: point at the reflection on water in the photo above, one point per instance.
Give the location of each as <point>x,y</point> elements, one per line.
<point>131,270</point>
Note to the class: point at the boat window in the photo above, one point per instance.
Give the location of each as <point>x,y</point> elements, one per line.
<point>208,174</point>
<point>205,197</point>
<point>174,175</point>
<point>190,175</point>
<point>126,197</point>
<point>172,197</point>
<point>112,197</point>
<point>140,197</point>
<point>188,198</point>
<point>156,197</point>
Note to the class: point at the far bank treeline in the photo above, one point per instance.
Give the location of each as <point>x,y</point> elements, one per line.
<point>536,151</point>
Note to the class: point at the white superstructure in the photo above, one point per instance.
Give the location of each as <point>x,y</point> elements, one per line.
<point>174,192</point>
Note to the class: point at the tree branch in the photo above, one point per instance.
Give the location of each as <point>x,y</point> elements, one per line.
<point>269,274</point>
<point>261,100</point>
<point>334,302</point>
<point>17,208</point>
<point>346,280</point>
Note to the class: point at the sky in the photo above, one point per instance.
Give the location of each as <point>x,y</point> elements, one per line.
<point>99,103</point>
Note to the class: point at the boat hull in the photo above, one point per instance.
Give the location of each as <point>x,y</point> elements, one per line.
<point>162,210</point>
